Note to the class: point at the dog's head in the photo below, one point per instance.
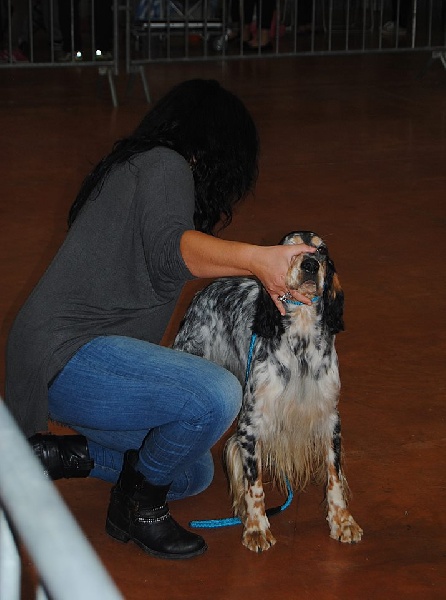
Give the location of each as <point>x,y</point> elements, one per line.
<point>307,272</point>
<point>313,275</point>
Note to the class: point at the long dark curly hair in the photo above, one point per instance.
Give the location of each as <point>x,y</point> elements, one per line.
<point>212,129</point>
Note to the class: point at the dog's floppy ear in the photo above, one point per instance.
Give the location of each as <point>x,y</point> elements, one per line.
<point>333,301</point>
<point>267,319</point>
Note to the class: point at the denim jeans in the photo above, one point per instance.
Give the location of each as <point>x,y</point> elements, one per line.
<point>123,393</point>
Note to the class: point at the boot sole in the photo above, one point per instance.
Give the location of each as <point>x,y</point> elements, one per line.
<point>123,536</point>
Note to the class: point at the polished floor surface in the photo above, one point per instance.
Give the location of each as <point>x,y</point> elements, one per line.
<point>355,149</point>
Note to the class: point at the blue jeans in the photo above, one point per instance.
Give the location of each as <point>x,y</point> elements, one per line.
<point>123,393</point>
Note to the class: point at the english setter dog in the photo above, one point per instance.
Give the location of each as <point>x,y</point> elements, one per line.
<point>288,425</point>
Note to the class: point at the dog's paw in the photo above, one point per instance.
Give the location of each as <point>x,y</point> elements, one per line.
<point>344,528</point>
<point>258,541</point>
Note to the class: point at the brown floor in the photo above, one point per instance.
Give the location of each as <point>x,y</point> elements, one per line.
<point>354,148</point>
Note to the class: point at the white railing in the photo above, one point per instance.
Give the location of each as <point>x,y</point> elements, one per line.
<point>32,513</point>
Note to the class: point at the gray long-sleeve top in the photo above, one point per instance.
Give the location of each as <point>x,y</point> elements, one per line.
<point>118,272</point>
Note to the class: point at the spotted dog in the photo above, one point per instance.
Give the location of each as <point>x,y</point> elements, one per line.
<point>289,424</point>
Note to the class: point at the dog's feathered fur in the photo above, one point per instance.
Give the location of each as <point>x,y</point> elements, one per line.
<point>288,424</point>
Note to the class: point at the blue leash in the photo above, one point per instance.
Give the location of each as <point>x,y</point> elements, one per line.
<point>215,523</point>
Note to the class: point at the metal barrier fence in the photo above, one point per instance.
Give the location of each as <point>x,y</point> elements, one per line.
<point>33,514</point>
<point>82,33</point>
<point>62,34</point>
<point>163,30</point>
<point>194,30</point>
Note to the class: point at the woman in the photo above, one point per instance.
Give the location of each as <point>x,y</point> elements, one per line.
<point>84,348</point>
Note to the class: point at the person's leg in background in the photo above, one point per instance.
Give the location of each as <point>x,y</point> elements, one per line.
<point>103,29</point>
<point>69,24</point>
<point>18,13</point>
<point>264,17</point>
<point>247,8</point>
<point>305,16</point>
<point>399,24</point>
<point>50,20</point>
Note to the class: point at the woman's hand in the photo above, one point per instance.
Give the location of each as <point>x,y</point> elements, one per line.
<point>270,265</point>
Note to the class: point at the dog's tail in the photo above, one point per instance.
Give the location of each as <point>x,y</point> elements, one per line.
<point>234,472</point>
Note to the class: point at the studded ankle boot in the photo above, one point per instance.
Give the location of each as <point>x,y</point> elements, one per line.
<point>138,511</point>
<point>62,455</point>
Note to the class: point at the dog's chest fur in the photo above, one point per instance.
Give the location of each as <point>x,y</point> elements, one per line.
<point>291,398</point>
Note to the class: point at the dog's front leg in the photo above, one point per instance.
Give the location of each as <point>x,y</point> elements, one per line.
<point>256,533</point>
<point>243,468</point>
<point>343,527</point>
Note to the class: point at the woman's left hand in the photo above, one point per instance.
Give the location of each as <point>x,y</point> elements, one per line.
<point>207,256</point>
<point>270,265</point>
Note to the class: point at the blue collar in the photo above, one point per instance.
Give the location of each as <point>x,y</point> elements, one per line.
<point>296,302</point>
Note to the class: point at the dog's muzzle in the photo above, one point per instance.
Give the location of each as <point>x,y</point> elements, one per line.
<point>310,266</point>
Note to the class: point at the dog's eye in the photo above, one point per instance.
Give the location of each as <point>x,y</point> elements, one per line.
<point>322,250</point>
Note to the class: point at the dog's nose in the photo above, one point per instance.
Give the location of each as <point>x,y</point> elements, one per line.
<point>310,265</point>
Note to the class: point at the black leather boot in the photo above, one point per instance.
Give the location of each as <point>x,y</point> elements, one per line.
<point>62,455</point>
<point>138,511</point>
